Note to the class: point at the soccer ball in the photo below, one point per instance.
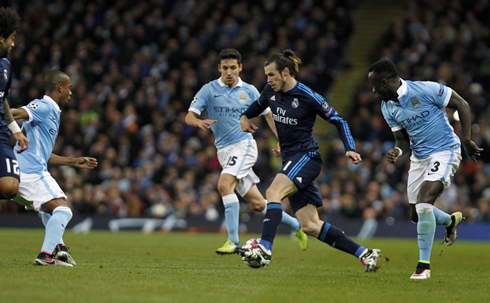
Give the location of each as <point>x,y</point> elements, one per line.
<point>248,258</point>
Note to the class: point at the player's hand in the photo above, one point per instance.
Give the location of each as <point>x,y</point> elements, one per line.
<point>22,140</point>
<point>355,157</point>
<point>247,125</point>
<point>86,162</point>
<point>392,155</point>
<point>472,150</point>
<point>206,123</point>
<point>276,152</point>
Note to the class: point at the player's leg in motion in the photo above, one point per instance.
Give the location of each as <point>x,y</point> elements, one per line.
<point>226,188</point>
<point>257,202</point>
<point>335,237</point>
<point>426,226</point>
<point>61,250</point>
<point>55,227</point>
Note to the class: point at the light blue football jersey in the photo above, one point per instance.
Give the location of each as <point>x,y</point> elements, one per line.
<point>226,106</point>
<point>41,130</point>
<point>421,111</point>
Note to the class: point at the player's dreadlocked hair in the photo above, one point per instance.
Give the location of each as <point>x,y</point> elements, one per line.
<point>385,69</point>
<point>285,59</point>
<point>230,53</point>
<point>9,21</point>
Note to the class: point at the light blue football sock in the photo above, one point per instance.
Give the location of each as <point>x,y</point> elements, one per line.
<point>442,218</point>
<point>287,220</point>
<point>232,210</point>
<point>426,229</point>
<point>56,227</point>
<point>45,217</point>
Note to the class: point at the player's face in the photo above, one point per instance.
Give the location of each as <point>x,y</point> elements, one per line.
<point>274,77</point>
<point>230,69</point>
<point>380,87</point>
<point>65,92</point>
<point>6,44</point>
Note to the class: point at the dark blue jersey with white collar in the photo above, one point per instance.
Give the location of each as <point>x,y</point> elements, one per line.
<point>294,114</point>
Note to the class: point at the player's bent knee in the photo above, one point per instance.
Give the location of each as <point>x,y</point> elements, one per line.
<point>257,206</point>
<point>10,190</point>
<point>310,229</point>
<point>65,209</point>
<point>9,187</point>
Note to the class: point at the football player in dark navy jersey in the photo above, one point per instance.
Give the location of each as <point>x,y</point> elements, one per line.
<point>9,168</point>
<point>294,107</point>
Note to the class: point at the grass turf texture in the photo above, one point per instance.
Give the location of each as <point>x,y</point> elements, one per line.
<point>183,267</point>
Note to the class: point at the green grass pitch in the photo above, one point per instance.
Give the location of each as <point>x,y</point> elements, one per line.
<point>183,267</point>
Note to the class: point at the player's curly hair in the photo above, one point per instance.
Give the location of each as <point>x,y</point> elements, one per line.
<point>230,53</point>
<point>285,59</point>
<point>9,21</point>
<point>385,69</point>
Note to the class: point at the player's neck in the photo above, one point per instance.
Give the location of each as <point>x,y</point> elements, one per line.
<point>290,84</point>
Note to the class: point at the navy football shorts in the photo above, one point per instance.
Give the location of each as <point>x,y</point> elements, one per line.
<point>303,169</point>
<point>9,167</point>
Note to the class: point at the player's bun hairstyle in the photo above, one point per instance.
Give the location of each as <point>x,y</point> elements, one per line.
<point>385,69</point>
<point>285,59</point>
<point>9,21</point>
<point>230,53</point>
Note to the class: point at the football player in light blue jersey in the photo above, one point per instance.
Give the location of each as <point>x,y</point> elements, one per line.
<point>415,111</point>
<point>9,171</point>
<point>38,190</point>
<point>225,99</point>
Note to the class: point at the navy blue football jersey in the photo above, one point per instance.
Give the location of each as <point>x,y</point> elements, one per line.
<point>294,113</point>
<point>5,82</point>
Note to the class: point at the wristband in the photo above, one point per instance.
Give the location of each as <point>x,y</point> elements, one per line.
<point>14,127</point>
<point>400,150</point>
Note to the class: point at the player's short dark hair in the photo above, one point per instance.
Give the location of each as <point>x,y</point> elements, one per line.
<point>285,59</point>
<point>9,21</point>
<point>53,78</point>
<point>230,53</point>
<point>385,69</point>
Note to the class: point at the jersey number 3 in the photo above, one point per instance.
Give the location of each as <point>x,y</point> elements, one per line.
<point>12,167</point>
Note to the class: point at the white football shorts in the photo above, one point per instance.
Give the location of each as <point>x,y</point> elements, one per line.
<point>238,159</point>
<point>440,166</point>
<point>36,190</point>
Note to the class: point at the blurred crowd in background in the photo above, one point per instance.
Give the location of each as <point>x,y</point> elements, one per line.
<point>136,66</point>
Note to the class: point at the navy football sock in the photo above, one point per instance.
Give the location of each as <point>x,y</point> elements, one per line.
<point>271,221</point>
<point>336,238</point>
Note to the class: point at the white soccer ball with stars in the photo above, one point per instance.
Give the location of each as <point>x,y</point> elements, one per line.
<point>249,259</point>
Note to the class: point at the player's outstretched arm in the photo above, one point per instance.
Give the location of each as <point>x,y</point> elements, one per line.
<point>464,112</point>
<point>80,162</point>
<point>192,120</point>
<point>247,125</point>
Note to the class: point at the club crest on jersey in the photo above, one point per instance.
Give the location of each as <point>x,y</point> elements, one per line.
<point>33,105</point>
<point>295,103</point>
<point>5,74</point>
<point>243,98</point>
<point>415,102</point>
